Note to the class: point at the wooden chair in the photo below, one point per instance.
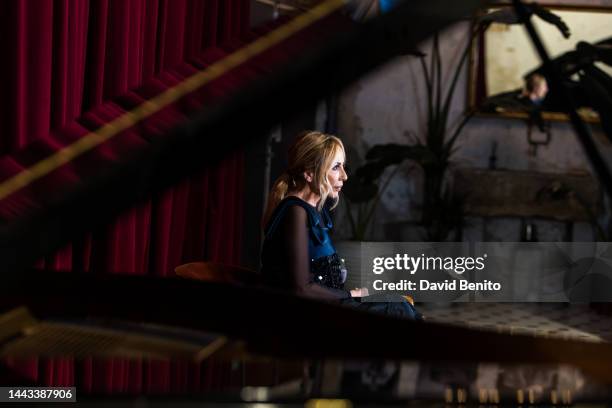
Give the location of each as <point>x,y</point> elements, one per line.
<point>217,272</point>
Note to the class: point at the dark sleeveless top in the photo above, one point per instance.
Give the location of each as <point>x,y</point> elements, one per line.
<point>282,268</point>
<point>319,225</point>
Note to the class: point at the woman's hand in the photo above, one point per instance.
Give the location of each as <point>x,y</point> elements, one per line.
<point>359,292</point>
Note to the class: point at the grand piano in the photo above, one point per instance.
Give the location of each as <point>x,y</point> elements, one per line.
<point>317,352</point>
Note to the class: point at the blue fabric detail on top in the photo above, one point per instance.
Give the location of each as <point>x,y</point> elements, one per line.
<point>319,225</point>
<point>387,5</point>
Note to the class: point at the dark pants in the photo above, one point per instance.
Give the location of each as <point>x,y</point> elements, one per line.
<point>390,305</point>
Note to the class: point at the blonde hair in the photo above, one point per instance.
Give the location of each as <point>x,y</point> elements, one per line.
<point>311,151</point>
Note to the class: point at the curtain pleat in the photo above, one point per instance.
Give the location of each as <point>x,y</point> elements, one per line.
<point>172,35</point>
<point>27,54</point>
<point>96,52</point>
<point>225,27</point>
<point>194,29</point>
<point>211,23</point>
<point>69,41</point>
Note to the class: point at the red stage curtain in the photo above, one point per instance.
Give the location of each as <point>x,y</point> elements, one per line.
<point>63,58</point>
<point>70,57</point>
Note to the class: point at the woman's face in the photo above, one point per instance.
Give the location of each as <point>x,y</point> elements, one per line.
<point>336,175</point>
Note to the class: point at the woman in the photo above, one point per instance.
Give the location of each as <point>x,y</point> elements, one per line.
<point>298,253</point>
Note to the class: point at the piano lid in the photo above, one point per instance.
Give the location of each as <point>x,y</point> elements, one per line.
<point>277,323</point>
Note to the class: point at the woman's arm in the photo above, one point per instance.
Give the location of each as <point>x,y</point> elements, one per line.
<point>295,237</point>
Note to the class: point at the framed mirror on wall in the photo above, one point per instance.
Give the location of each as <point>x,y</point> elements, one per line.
<point>505,79</point>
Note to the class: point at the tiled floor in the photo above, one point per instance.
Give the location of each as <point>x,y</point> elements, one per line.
<point>573,321</point>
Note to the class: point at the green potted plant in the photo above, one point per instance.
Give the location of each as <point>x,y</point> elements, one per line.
<point>441,210</point>
<point>364,189</point>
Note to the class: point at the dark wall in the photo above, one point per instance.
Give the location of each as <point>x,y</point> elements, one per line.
<point>255,162</point>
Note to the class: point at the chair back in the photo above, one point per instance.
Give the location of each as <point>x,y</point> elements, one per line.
<point>217,272</point>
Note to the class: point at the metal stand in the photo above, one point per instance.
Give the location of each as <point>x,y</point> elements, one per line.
<point>556,79</point>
